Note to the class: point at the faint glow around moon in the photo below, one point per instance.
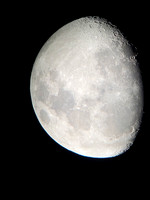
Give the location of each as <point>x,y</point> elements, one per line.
<point>86,89</point>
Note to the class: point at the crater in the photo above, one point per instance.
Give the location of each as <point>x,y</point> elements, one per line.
<point>129,50</point>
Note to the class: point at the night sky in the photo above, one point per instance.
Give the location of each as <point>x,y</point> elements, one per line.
<point>36,154</point>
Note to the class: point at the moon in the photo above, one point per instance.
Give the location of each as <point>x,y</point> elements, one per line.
<point>86,88</point>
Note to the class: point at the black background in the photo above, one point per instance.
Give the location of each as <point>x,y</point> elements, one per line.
<point>36,154</point>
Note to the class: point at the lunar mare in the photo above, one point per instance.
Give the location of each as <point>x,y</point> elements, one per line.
<point>86,89</point>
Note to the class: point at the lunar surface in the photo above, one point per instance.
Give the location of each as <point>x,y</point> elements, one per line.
<point>86,88</point>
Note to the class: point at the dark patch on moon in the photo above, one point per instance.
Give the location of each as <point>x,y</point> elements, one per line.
<point>105,57</point>
<point>42,92</point>
<point>64,101</point>
<point>44,116</point>
<point>79,119</point>
<point>53,75</point>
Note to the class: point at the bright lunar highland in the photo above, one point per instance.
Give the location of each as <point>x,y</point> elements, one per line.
<point>86,88</point>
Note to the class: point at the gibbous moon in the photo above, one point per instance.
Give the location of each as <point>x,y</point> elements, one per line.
<point>86,89</point>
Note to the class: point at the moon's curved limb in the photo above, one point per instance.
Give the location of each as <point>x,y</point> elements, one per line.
<point>86,88</point>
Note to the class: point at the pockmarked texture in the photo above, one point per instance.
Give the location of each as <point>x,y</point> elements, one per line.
<point>86,88</point>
